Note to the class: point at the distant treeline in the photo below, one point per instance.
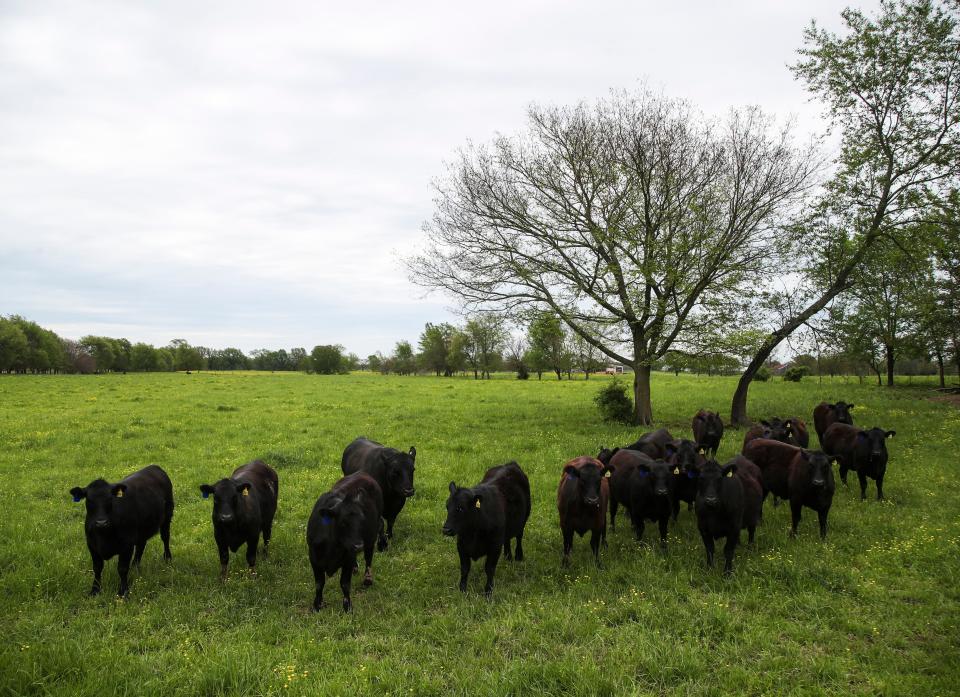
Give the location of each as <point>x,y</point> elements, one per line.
<point>26,347</point>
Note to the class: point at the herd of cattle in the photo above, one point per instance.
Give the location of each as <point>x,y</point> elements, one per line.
<point>649,478</point>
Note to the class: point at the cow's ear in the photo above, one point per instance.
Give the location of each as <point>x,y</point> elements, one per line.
<point>614,452</point>
<point>850,406</point>
<point>119,490</point>
<point>890,433</point>
<point>729,470</point>
<point>453,488</point>
<point>476,501</point>
<point>571,471</point>
<point>78,494</point>
<point>413,452</point>
<point>243,488</point>
<point>608,470</point>
<point>206,490</point>
<point>701,451</point>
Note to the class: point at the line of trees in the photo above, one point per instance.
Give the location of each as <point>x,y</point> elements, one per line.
<point>26,347</point>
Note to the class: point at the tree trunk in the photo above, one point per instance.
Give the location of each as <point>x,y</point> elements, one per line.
<point>642,409</point>
<point>943,381</point>
<point>738,410</point>
<point>889,351</point>
<point>879,376</point>
<point>475,376</point>
<point>559,375</point>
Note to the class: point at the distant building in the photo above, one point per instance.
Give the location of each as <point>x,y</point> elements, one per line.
<point>614,369</point>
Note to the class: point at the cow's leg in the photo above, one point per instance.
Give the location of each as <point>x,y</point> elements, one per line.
<point>165,535</point>
<point>822,516</point>
<point>880,488</point>
<point>567,545</point>
<point>491,568</point>
<point>519,555</point>
<point>663,533</point>
<point>464,570</point>
<point>382,543</point>
<point>708,545</point>
<point>346,574</point>
<point>507,554</point>
<point>390,526</point>
<point>729,548</point>
<point>843,471</point>
<point>252,552</point>
<point>97,572</point>
<point>638,525</point>
<point>795,507</point>
<point>138,553</point>
<point>267,533</point>
<point>368,563</point>
<point>595,546</point>
<point>319,579</point>
<point>676,510</point>
<point>123,568</point>
<point>863,485</point>
<point>613,513</point>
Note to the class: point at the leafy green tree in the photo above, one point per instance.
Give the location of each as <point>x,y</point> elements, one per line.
<point>101,348</point>
<point>547,337</point>
<point>403,361</point>
<point>14,348</point>
<point>374,362</point>
<point>327,359</point>
<point>485,336</point>
<point>436,340</point>
<point>890,87</point>
<point>143,358</point>
<point>185,356</point>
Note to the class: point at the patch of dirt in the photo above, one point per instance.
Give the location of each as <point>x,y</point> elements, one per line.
<point>953,399</point>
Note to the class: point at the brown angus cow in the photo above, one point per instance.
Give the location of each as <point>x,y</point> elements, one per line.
<point>825,415</point>
<point>582,498</point>
<point>707,431</point>
<point>862,450</point>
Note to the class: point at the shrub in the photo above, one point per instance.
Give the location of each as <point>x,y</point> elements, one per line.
<point>614,402</point>
<point>523,373</point>
<point>796,373</point>
<point>762,375</point>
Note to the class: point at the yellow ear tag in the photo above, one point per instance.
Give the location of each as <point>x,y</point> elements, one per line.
<point>676,470</point>
<point>701,452</point>
<point>477,504</point>
<point>246,492</point>
<point>119,493</point>
<point>730,473</point>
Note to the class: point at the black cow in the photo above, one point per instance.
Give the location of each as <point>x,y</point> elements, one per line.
<point>861,450</point>
<point>623,462</point>
<point>122,517</point>
<point>652,492</point>
<point>803,477</point>
<point>392,470</point>
<point>707,431</point>
<point>243,508</point>
<point>653,444</point>
<point>687,457</point>
<point>756,431</point>
<point>792,431</point>
<point>485,518</point>
<point>825,415</point>
<point>728,499</point>
<point>582,498</point>
<point>344,521</point>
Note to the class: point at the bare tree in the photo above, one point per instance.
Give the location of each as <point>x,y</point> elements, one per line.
<point>637,221</point>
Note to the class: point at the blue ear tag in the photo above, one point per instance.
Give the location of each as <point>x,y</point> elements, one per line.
<point>206,494</point>
<point>690,474</point>
<point>77,499</point>
<point>326,520</point>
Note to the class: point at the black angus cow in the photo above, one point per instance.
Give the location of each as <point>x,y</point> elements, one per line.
<point>825,415</point>
<point>728,499</point>
<point>582,498</point>
<point>486,517</point>
<point>622,463</point>
<point>803,477</point>
<point>121,518</point>
<point>687,458</point>
<point>653,444</point>
<point>393,471</point>
<point>652,491</point>
<point>862,450</point>
<point>243,507</point>
<point>707,431</point>
<point>345,521</point>
<point>792,431</point>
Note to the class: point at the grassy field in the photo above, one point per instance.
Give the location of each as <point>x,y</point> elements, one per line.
<point>874,610</point>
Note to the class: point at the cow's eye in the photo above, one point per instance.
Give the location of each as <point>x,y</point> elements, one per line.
<point>459,509</point>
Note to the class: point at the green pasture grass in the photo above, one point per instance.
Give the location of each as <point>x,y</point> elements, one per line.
<point>873,610</point>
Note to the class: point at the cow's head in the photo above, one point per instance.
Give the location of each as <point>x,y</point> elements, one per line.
<point>606,454</point>
<point>341,520</point>
<point>104,501</point>
<point>587,478</point>
<point>841,413</point>
<point>779,429</point>
<point>463,505</point>
<point>399,468</point>
<point>875,441</point>
<point>684,454</point>
<point>229,496</point>
<point>710,482</point>
<point>662,476</point>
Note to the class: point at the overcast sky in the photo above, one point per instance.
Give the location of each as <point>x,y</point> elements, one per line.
<point>249,174</point>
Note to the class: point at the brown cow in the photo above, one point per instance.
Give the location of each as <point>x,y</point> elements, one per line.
<point>707,431</point>
<point>862,450</point>
<point>582,502</point>
<point>825,415</point>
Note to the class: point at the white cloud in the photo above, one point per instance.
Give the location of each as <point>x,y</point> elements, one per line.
<point>240,172</point>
